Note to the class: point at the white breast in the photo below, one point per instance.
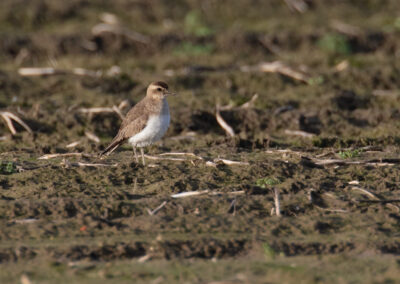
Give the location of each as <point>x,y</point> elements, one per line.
<point>155,129</point>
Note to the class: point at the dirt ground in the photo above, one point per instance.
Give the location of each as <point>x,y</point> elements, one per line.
<point>319,135</point>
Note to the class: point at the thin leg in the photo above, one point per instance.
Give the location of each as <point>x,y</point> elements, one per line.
<point>136,157</point>
<point>141,151</point>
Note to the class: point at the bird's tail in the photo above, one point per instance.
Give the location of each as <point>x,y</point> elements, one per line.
<point>110,148</point>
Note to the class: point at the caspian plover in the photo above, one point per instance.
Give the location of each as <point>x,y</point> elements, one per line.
<point>146,122</point>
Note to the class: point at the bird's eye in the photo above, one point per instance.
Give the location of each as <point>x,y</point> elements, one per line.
<point>159,89</point>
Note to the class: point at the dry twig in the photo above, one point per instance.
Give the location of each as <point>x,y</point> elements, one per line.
<point>119,30</point>
<point>68,164</point>
<point>212,193</point>
<point>153,212</point>
<point>376,163</point>
<point>182,154</point>
<point>123,104</point>
<point>73,144</point>
<point>52,156</point>
<point>118,111</point>
<point>39,71</point>
<point>277,67</point>
<point>250,103</point>
<point>297,5</point>
<point>267,43</point>
<point>189,193</point>
<point>285,151</point>
<point>277,202</point>
<point>211,164</point>
<point>343,65</point>
<point>376,199</point>
<point>335,210</point>
<point>228,129</point>
<point>91,136</point>
<point>165,159</point>
<point>366,192</point>
<point>46,71</point>
<point>238,192</point>
<point>366,149</point>
<point>346,29</point>
<point>232,207</point>
<point>230,163</point>
<point>26,221</point>
<point>145,258</point>
<point>208,163</point>
<point>299,133</point>
<point>94,110</point>
<point>386,93</point>
<point>9,117</point>
<point>247,104</point>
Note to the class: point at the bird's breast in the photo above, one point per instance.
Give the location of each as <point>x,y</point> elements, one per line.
<point>154,130</point>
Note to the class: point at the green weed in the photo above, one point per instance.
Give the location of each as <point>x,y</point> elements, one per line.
<point>316,80</point>
<point>349,154</point>
<point>269,252</point>
<point>8,168</point>
<point>194,25</point>
<point>194,49</point>
<point>267,181</point>
<point>397,23</point>
<point>334,43</point>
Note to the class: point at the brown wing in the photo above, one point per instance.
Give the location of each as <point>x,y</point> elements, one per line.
<point>134,122</point>
<point>134,113</point>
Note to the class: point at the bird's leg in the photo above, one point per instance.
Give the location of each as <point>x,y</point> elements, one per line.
<point>136,157</point>
<point>141,151</point>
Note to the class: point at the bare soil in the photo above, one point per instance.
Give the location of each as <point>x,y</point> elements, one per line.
<point>328,144</point>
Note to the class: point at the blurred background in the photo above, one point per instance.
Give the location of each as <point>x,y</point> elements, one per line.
<point>332,67</point>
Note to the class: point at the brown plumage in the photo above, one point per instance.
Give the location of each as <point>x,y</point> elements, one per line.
<point>136,120</point>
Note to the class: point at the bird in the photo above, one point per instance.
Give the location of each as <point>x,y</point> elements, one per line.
<point>146,122</point>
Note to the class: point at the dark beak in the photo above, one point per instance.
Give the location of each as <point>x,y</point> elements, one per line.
<point>169,94</point>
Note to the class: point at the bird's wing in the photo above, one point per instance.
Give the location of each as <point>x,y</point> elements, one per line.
<point>132,127</point>
<point>136,112</point>
<point>134,122</point>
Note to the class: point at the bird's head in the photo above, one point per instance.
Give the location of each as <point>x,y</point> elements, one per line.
<point>158,90</point>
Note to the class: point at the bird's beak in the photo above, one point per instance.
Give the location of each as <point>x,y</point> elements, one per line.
<point>169,94</point>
